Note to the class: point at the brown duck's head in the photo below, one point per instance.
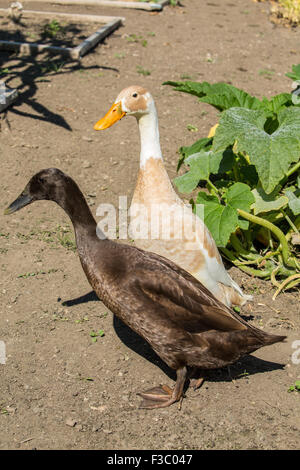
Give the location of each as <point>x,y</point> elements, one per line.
<point>132,101</point>
<point>50,184</point>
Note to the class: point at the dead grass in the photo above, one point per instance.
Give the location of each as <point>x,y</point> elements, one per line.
<point>286,11</point>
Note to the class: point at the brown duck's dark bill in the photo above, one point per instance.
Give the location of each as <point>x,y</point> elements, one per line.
<point>23,200</point>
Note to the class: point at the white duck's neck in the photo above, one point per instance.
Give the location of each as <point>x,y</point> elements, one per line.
<point>149,134</point>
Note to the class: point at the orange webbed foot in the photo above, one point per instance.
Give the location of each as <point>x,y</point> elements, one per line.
<point>157,397</point>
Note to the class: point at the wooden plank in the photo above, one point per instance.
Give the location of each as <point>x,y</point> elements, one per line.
<point>137,5</point>
<point>71,52</point>
<point>27,48</point>
<point>92,40</point>
<point>71,16</point>
<point>7,96</point>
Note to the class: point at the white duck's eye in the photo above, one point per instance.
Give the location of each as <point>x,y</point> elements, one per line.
<point>134,95</point>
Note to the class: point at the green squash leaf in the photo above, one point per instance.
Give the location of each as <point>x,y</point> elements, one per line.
<point>295,74</point>
<point>202,164</point>
<point>221,220</point>
<point>249,175</point>
<point>239,196</point>
<point>277,102</point>
<point>204,143</point>
<point>220,95</point>
<point>199,170</point>
<point>271,154</point>
<point>199,164</point>
<point>188,182</point>
<point>200,161</point>
<point>267,202</point>
<point>294,202</point>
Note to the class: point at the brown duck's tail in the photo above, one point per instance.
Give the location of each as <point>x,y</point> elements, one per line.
<point>271,339</point>
<point>260,338</point>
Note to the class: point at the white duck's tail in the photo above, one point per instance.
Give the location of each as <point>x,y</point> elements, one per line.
<point>233,295</point>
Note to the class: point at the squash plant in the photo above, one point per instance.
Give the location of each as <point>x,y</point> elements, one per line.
<point>250,167</point>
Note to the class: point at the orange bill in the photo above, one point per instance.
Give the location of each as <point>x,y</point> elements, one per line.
<point>113,115</point>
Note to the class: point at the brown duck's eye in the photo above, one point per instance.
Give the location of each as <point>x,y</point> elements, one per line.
<point>134,95</point>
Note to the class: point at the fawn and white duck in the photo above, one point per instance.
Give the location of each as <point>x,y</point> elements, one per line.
<point>194,248</point>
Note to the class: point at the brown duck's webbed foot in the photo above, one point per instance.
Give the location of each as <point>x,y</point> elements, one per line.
<point>197,377</point>
<point>163,396</point>
<point>196,383</point>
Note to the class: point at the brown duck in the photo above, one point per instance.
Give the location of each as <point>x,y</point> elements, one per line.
<point>181,320</point>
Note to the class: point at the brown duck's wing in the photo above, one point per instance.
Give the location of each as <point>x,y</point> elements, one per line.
<point>183,298</point>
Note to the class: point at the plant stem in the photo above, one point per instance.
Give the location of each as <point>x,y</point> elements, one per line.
<point>213,187</point>
<point>235,171</point>
<point>286,282</point>
<point>289,173</point>
<point>290,222</point>
<point>276,231</point>
<point>246,269</point>
<point>293,169</point>
<point>270,240</point>
<point>273,277</point>
<point>239,248</point>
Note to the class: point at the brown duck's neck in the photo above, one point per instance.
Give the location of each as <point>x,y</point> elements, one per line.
<point>75,205</point>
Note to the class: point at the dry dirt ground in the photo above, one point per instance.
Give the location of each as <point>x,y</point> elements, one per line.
<point>59,389</point>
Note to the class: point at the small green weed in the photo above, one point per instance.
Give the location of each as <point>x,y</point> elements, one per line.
<point>3,72</point>
<point>295,387</point>
<point>53,29</point>
<point>137,38</point>
<point>266,73</point>
<point>120,55</point>
<point>81,320</point>
<point>94,335</point>
<point>65,238</point>
<point>27,275</point>
<point>142,71</point>
<point>52,66</point>
<point>192,128</point>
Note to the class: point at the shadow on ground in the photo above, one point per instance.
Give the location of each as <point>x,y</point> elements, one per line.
<point>33,69</point>
<point>246,366</point>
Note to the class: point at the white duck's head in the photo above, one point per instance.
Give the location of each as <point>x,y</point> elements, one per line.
<point>132,101</point>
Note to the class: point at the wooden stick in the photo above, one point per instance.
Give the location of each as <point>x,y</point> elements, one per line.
<point>31,47</point>
<point>92,40</point>
<point>71,16</point>
<point>137,5</point>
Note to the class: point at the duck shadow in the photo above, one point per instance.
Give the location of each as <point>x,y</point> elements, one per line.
<point>128,337</point>
<point>137,344</point>
<point>83,299</point>
<point>244,367</point>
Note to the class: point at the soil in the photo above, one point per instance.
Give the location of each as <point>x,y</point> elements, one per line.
<point>145,1</point>
<point>59,388</point>
<point>39,30</point>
